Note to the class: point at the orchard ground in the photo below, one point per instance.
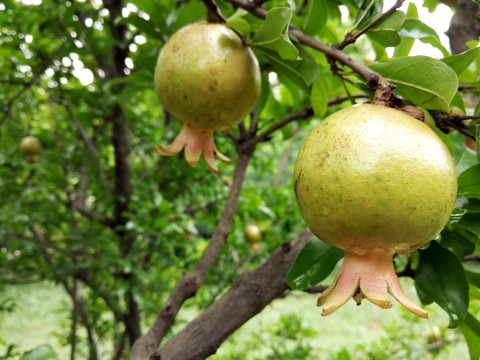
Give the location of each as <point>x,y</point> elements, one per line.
<point>41,316</point>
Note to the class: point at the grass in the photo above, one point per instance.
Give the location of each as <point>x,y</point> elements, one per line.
<point>287,326</point>
<point>351,327</point>
<point>39,316</point>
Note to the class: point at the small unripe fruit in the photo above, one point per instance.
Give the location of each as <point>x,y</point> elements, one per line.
<point>30,146</point>
<point>209,80</point>
<point>433,334</point>
<point>253,234</point>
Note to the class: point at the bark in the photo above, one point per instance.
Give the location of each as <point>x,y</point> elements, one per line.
<point>463,26</point>
<point>248,295</point>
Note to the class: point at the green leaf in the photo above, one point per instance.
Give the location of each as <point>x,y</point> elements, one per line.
<point>315,16</point>
<point>423,80</point>
<point>42,352</point>
<point>385,32</point>
<point>458,244</point>
<point>472,270</point>
<point>273,34</point>
<point>240,25</point>
<point>303,71</point>
<point>415,29</point>
<point>471,221</point>
<point>461,61</point>
<point>368,11</point>
<point>470,329</point>
<point>469,182</point>
<point>319,98</point>
<point>441,277</point>
<point>141,24</point>
<point>313,264</point>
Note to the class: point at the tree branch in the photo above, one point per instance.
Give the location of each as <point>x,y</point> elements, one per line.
<point>188,284</point>
<point>382,88</point>
<point>302,114</point>
<point>249,294</point>
<point>88,144</point>
<point>352,38</point>
<point>445,121</point>
<point>473,257</point>
<point>214,15</point>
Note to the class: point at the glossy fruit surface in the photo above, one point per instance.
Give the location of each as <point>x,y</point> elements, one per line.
<point>373,181</point>
<point>30,146</point>
<point>253,234</point>
<point>208,79</point>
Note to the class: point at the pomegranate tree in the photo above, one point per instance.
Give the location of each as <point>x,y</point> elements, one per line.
<point>209,80</point>
<point>374,182</point>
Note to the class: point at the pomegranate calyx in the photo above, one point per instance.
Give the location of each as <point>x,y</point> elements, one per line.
<point>369,276</point>
<point>194,141</point>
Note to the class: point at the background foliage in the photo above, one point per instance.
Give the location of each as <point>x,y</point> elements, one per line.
<point>116,225</point>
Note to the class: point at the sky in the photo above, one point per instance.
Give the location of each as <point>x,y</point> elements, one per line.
<point>438,20</point>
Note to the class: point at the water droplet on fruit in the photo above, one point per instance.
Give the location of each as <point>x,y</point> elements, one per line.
<point>425,246</point>
<point>402,248</point>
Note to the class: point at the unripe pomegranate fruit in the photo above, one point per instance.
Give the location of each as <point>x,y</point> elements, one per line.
<point>253,235</point>
<point>207,78</point>
<point>374,182</point>
<point>30,146</point>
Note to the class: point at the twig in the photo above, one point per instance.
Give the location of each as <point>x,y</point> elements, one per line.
<point>88,144</point>
<point>214,14</point>
<point>352,38</point>
<point>444,120</point>
<point>383,89</point>
<point>473,257</point>
<point>302,114</point>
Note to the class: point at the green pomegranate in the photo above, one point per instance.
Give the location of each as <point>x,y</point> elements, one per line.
<point>374,182</point>
<point>209,80</point>
<point>253,235</point>
<point>30,146</point>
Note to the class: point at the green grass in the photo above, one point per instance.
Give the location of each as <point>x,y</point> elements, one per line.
<point>40,314</point>
<point>287,326</point>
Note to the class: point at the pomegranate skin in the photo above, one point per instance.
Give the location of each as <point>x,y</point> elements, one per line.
<point>373,181</point>
<point>209,80</point>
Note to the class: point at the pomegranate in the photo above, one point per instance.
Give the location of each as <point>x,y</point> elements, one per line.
<point>30,146</point>
<point>253,235</point>
<point>374,182</point>
<point>209,80</point>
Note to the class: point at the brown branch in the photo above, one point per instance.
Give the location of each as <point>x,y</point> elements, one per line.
<point>382,88</point>
<point>299,115</point>
<point>88,144</point>
<point>473,257</point>
<point>352,38</point>
<point>445,121</point>
<point>188,284</point>
<point>91,214</point>
<point>214,15</point>
<point>249,294</point>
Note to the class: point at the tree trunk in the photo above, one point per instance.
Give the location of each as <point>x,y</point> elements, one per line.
<point>463,26</point>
